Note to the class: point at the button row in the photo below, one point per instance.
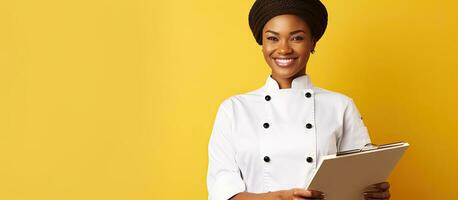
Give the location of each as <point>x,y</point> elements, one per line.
<point>308,159</point>
<point>268,98</point>
<point>308,126</point>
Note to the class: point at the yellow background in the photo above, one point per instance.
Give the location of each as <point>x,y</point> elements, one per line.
<point>116,99</point>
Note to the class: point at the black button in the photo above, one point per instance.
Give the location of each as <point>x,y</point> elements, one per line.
<point>309,126</point>
<point>308,95</point>
<point>309,159</point>
<point>266,158</point>
<point>267,98</point>
<point>266,125</point>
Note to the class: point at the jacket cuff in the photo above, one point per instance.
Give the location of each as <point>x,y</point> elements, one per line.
<point>226,186</point>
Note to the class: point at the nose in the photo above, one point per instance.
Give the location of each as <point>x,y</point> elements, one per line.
<point>284,48</point>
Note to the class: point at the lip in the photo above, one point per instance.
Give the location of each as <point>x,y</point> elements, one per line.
<point>284,61</point>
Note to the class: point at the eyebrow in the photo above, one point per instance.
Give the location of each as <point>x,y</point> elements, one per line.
<point>292,33</point>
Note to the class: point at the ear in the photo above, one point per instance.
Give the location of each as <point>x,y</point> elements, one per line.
<point>314,44</point>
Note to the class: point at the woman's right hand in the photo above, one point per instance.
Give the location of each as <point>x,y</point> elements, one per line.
<point>301,193</point>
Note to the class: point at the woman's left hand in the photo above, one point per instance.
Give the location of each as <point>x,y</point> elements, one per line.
<point>378,191</point>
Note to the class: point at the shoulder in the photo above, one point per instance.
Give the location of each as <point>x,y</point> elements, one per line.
<point>331,97</point>
<point>243,98</point>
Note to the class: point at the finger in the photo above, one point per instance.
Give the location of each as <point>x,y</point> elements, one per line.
<point>308,193</point>
<point>377,195</point>
<point>382,185</point>
<point>303,198</point>
<point>372,189</point>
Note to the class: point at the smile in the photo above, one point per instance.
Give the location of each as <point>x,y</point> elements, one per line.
<point>284,62</point>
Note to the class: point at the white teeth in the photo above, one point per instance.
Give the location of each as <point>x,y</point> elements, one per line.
<point>284,61</point>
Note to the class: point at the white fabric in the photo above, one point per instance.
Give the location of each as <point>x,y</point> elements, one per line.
<point>239,141</point>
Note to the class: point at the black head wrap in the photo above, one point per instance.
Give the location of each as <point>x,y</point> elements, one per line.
<point>313,12</point>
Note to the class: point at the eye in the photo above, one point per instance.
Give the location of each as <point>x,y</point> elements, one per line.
<point>272,38</point>
<point>298,38</point>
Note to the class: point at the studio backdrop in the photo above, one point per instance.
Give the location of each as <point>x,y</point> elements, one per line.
<point>116,99</point>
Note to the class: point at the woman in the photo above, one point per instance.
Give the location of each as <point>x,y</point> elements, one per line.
<point>265,144</point>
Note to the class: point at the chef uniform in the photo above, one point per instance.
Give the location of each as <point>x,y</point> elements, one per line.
<point>270,139</point>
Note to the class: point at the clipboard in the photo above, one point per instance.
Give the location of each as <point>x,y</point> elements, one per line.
<point>345,175</point>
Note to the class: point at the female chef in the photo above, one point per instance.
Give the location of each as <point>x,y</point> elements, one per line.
<point>265,144</point>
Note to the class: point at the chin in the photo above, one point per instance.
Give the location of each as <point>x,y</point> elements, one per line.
<point>285,73</point>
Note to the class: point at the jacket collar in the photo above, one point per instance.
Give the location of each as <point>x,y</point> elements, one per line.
<point>300,82</point>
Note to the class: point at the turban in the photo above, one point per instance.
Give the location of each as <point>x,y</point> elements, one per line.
<point>313,12</point>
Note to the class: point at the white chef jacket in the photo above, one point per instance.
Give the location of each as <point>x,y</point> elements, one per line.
<point>270,139</point>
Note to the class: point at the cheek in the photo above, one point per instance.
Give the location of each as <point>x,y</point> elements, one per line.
<point>303,50</point>
<point>266,49</point>
<point>304,57</point>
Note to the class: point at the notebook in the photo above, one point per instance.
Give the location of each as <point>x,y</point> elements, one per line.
<point>345,175</point>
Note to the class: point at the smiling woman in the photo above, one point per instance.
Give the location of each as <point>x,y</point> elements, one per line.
<point>287,47</point>
<point>265,144</point>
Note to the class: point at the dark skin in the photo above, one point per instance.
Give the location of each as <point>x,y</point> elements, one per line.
<point>287,44</point>
<point>287,36</point>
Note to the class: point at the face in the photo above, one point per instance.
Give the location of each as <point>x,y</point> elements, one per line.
<point>286,44</point>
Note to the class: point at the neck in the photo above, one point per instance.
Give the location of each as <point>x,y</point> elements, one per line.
<point>285,83</point>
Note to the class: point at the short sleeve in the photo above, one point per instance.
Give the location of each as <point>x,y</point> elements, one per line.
<point>223,177</point>
<point>355,134</point>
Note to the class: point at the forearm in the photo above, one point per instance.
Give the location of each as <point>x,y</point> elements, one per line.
<point>258,196</point>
